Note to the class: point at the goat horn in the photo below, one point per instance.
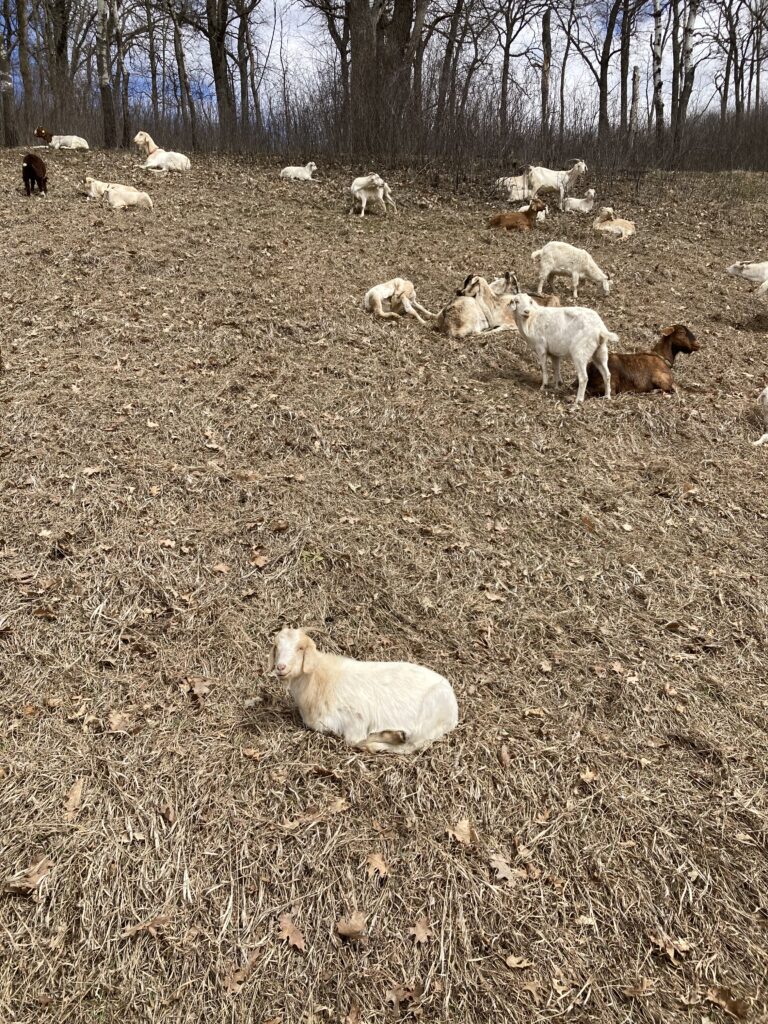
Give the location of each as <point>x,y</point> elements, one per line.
<point>517,283</point>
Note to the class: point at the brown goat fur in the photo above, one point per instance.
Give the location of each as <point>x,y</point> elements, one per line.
<point>518,221</point>
<point>34,173</point>
<point>642,372</point>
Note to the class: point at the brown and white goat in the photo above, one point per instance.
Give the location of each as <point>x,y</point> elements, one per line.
<point>519,221</point>
<point>642,372</point>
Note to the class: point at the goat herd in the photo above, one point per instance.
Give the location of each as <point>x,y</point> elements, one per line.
<point>400,707</point>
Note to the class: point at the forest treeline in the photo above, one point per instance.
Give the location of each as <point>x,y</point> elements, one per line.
<point>496,83</point>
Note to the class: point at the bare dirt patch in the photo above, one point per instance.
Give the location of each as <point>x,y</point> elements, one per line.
<point>205,437</point>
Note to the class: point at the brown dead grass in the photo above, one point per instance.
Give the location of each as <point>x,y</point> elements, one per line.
<point>205,437</point>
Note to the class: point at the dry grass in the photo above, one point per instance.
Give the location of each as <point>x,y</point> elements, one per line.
<point>205,438</point>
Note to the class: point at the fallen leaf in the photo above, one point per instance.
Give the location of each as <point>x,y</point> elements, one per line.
<point>587,775</point>
<point>463,832</point>
<point>252,753</point>
<point>376,866</point>
<point>168,812</point>
<point>586,922</point>
<point>153,926</point>
<point>234,980</point>
<point>725,999</point>
<point>504,870</point>
<point>119,722</point>
<point>92,470</point>
<point>504,757</point>
<point>221,567</point>
<point>545,666</point>
<point>353,1017</point>
<point>73,800</point>
<point>353,927</point>
<point>258,560</point>
<point>642,987</point>
<point>671,947</point>
<point>404,995</point>
<point>196,686</point>
<point>534,987</point>
<point>290,933</point>
<point>421,932</point>
<point>491,595</point>
<point>24,884</point>
<point>518,963</point>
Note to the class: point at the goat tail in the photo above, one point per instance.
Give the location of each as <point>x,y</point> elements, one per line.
<point>608,336</point>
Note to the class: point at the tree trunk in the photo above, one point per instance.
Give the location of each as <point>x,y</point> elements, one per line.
<point>546,68</point>
<point>676,62</point>
<point>184,87</point>
<point>633,110</point>
<point>688,71</point>
<point>626,39</point>
<point>364,76</point>
<point>152,54</point>
<point>447,64</point>
<point>7,99</point>
<point>23,49</point>
<point>102,68</point>
<point>658,85</point>
<point>603,122</point>
<point>217,15</point>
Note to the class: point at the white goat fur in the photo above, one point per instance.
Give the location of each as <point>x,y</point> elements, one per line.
<point>580,205</point>
<point>68,142</point>
<point>755,272</point>
<point>96,188</point>
<point>607,222</point>
<point>569,331</point>
<point>514,187</point>
<point>378,706</point>
<point>762,401</point>
<point>543,179</point>
<point>157,159</point>
<point>394,299</point>
<point>477,308</point>
<point>561,259</point>
<point>369,188</point>
<point>300,173</point>
<point>118,197</point>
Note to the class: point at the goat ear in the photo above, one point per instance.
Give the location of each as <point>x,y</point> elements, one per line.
<point>271,663</point>
<point>309,661</point>
<point>667,331</point>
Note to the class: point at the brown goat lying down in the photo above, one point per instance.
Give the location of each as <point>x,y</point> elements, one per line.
<point>518,221</point>
<point>645,371</point>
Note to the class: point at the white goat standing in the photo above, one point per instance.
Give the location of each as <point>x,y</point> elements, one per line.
<point>377,706</point>
<point>543,179</point>
<point>369,188</point>
<point>300,173</point>
<point>395,299</point>
<point>580,205</point>
<point>757,273</point>
<point>762,401</point>
<point>157,159</point>
<point>561,259</point>
<point>569,331</point>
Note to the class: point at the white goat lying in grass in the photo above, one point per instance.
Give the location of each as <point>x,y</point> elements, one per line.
<point>369,188</point>
<point>157,159</point>
<point>61,141</point>
<point>542,179</point>
<point>757,273</point>
<point>564,260</point>
<point>300,173</point>
<point>399,298</point>
<point>762,401</point>
<point>580,205</point>
<point>120,197</point>
<point>607,222</point>
<point>377,706</point>
<point>477,308</point>
<point>570,331</point>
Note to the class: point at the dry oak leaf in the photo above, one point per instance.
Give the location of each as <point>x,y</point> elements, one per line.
<point>518,963</point>
<point>671,947</point>
<point>376,865</point>
<point>92,470</point>
<point>221,567</point>
<point>587,775</point>
<point>534,987</point>
<point>504,870</point>
<point>642,987</point>
<point>252,753</point>
<point>119,722</point>
<point>463,832</point>
<point>353,927</point>
<point>153,926</point>
<point>74,797</point>
<point>234,980</point>
<point>504,756</point>
<point>25,883</point>
<point>353,1017</point>
<point>196,686</point>
<point>725,999</point>
<point>421,932</point>
<point>403,995</point>
<point>290,933</point>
